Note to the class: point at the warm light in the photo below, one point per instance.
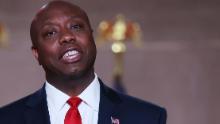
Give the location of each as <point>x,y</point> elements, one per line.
<point>3,36</point>
<point>119,29</point>
<point>118,47</point>
<point>104,25</point>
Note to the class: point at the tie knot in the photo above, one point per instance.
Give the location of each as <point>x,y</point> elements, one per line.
<point>74,101</point>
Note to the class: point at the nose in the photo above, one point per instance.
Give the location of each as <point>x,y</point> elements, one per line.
<point>67,37</point>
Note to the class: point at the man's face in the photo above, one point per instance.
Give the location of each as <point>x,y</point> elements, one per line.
<point>64,42</point>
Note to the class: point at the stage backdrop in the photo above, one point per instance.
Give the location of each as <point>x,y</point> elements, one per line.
<point>178,66</point>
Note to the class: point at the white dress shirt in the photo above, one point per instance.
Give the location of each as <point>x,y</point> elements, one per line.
<point>88,108</point>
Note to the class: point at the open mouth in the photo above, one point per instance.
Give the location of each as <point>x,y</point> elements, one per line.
<point>71,56</point>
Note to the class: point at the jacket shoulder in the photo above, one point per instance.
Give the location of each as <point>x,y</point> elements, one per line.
<point>18,106</point>
<point>136,110</point>
<point>137,103</point>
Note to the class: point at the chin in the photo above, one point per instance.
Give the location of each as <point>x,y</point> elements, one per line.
<point>77,75</point>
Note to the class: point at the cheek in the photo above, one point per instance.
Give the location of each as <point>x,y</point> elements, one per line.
<point>86,40</point>
<point>46,52</point>
<point>90,47</point>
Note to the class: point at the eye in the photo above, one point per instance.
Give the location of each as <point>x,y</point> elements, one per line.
<point>76,27</point>
<point>50,34</point>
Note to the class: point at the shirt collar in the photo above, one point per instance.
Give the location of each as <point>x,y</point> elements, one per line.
<point>55,98</point>
<point>90,96</point>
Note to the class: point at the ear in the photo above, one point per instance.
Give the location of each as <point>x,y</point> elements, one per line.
<point>35,53</point>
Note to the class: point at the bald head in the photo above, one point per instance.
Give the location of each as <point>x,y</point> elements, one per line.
<point>52,9</point>
<point>63,44</point>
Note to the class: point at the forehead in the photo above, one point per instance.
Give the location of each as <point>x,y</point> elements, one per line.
<point>53,11</point>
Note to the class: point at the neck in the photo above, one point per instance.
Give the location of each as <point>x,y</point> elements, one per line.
<point>71,85</point>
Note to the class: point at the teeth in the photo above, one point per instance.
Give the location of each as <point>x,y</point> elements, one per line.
<point>70,53</point>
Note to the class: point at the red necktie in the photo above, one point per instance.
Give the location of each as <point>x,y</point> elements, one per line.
<point>73,115</point>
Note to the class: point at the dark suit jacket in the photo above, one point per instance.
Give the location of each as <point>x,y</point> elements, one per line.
<point>128,110</point>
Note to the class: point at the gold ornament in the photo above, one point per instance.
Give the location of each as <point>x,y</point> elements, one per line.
<point>118,31</point>
<point>3,36</point>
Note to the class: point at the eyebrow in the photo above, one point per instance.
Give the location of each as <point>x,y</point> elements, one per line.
<point>78,17</point>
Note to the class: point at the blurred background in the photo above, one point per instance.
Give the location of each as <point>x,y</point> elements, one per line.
<point>177,67</point>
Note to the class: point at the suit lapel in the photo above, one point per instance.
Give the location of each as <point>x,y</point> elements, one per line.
<point>109,102</point>
<point>37,111</point>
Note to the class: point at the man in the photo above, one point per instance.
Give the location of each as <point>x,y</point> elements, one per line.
<point>63,45</point>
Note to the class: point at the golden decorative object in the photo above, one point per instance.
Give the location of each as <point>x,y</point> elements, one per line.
<point>3,36</point>
<point>119,31</point>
